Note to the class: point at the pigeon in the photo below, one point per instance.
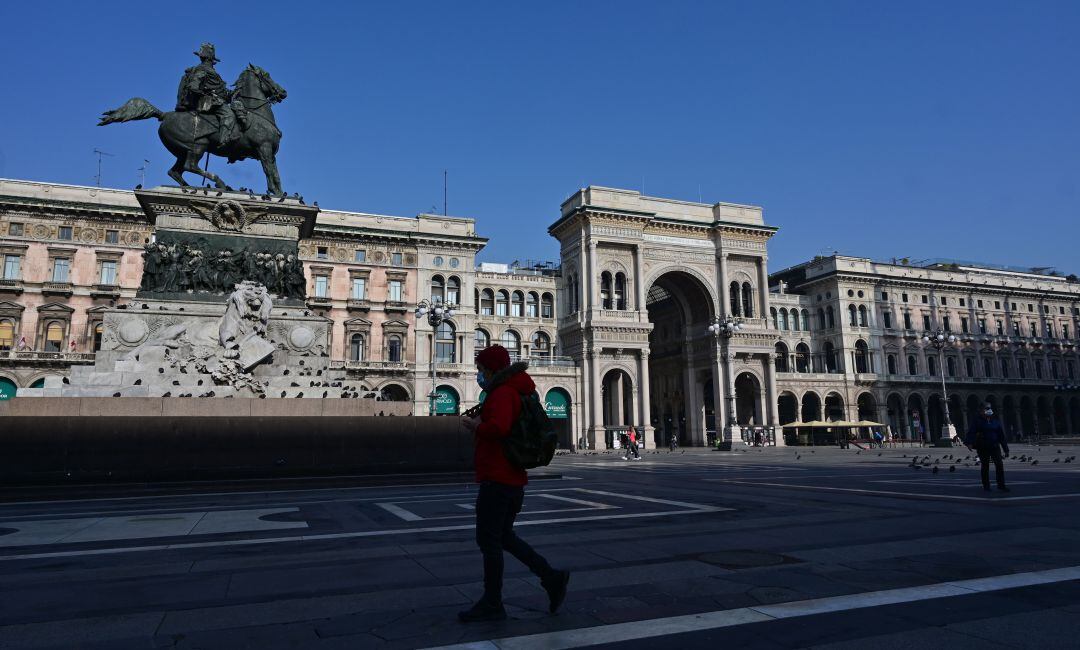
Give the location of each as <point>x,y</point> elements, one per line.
<point>316,204</point>
<point>160,370</point>
<point>138,382</point>
<point>283,393</point>
<point>1057,460</point>
<point>167,394</point>
<point>935,469</point>
<point>299,394</point>
<point>200,382</point>
<point>293,384</point>
<point>325,393</point>
<point>879,453</point>
<point>263,396</point>
<point>219,193</point>
<point>176,382</point>
<point>66,380</point>
<point>282,199</point>
<point>797,456</point>
<point>286,371</point>
<point>116,394</point>
<point>952,468</point>
<point>1034,463</point>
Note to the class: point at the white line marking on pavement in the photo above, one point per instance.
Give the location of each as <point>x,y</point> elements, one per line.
<point>690,509</point>
<point>920,495</point>
<point>659,627</point>
<point>400,512</point>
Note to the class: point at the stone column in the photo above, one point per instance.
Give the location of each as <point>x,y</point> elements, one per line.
<point>594,277</point>
<point>731,433</point>
<point>772,418</point>
<point>639,279</point>
<point>725,301</point>
<point>597,416</point>
<point>690,403</point>
<point>616,401</point>
<point>645,399</point>
<point>763,286</point>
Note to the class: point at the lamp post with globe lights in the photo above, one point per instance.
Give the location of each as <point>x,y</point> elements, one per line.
<point>723,329</point>
<point>941,340</point>
<point>437,312</point>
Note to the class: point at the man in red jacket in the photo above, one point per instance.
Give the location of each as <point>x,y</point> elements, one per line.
<point>502,486</point>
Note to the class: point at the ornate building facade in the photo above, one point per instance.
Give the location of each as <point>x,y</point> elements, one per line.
<point>617,333</point>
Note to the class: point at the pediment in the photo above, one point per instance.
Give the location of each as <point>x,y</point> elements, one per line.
<point>55,308</point>
<point>7,306</point>
<point>357,322</point>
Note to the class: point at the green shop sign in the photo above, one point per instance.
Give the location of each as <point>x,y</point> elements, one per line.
<point>557,405</point>
<point>446,401</point>
<point>7,389</point>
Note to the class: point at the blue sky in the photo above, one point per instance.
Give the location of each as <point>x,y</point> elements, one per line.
<point>902,129</point>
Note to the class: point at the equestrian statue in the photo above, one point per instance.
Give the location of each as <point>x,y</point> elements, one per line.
<point>209,117</point>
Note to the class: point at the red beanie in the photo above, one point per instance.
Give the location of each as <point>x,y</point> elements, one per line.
<point>494,358</point>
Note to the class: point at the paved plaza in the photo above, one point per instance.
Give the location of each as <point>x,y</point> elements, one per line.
<point>762,548</point>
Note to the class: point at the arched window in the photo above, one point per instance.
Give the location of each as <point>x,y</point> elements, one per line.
<point>437,289</point>
<point>1004,368</point>
<point>775,319</point>
<point>571,294</point>
<point>829,316</point>
<point>795,324</point>
<point>862,316</point>
<point>620,291</point>
<point>1021,368</point>
<point>541,344</point>
<point>512,342</point>
<point>476,300</point>
<point>802,358</point>
<point>830,357</point>
<point>734,294</point>
<point>502,303</point>
<point>356,347</point>
<point>517,304</point>
<point>806,320</point>
<point>862,357</point>
<point>531,305</point>
<point>931,365</point>
<point>890,361</point>
<point>481,340</point>
<point>605,290</point>
<point>822,323</point>
<point>781,358</point>
<point>912,365</point>
<point>7,334</point>
<point>1054,370</point>
<point>547,306</point>
<point>54,337</point>
<point>393,348</point>
<point>988,368</point>
<point>1038,369</point>
<point>445,345</point>
<point>487,302</point>
<point>783,319</point>
<point>950,363</point>
<point>99,330</point>
<point>969,365</point>
<point>747,300</point>
<point>453,290</point>
<point>853,316</point>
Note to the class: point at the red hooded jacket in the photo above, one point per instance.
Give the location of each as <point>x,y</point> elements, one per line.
<point>501,408</point>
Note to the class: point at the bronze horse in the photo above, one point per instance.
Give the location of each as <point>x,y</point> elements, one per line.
<point>188,135</point>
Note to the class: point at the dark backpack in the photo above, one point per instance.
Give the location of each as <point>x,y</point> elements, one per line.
<point>532,438</point>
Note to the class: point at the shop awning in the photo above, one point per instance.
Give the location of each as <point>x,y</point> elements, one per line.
<point>446,401</point>
<point>557,405</point>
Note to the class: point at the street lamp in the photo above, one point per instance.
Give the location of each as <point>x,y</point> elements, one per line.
<point>723,329</point>
<point>941,340</point>
<point>437,312</point>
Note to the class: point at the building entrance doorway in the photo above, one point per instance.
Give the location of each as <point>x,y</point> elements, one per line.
<point>681,359</point>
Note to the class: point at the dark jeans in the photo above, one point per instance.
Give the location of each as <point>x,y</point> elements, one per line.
<point>496,507</point>
<point>986,454</point>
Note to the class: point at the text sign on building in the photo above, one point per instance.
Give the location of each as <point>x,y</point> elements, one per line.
<point>7,389</point>
<point>556,405</point>
<point>446,402</point>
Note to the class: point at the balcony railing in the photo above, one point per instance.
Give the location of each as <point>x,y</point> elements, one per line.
<point>105,291</point>
<point>319,301</point>
<point>35,356</point>
<point>396,305</point>
<point>11,285</point>
<point>373,366</point>
<point>358,304</point>
<point>56,288</point>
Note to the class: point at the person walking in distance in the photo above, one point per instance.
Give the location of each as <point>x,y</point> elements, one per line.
<point>630,438</point>
<point>987,437</point>
<point>502,486</point>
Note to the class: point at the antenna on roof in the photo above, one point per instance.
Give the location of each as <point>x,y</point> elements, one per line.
<point>100,153</point>
<point>444,212</point>
<point>142,172</point>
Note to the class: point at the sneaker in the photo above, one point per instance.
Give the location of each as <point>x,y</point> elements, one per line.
<point>482,611</point>
<point>555,586</point>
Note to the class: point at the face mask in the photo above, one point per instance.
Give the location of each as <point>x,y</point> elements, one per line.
<point>988,413</point>
<point>481,380</point>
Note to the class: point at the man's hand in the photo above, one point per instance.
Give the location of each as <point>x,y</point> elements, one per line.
<point>470,423</point>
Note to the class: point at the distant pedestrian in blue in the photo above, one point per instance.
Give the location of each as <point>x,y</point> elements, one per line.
<point>987,437</point>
